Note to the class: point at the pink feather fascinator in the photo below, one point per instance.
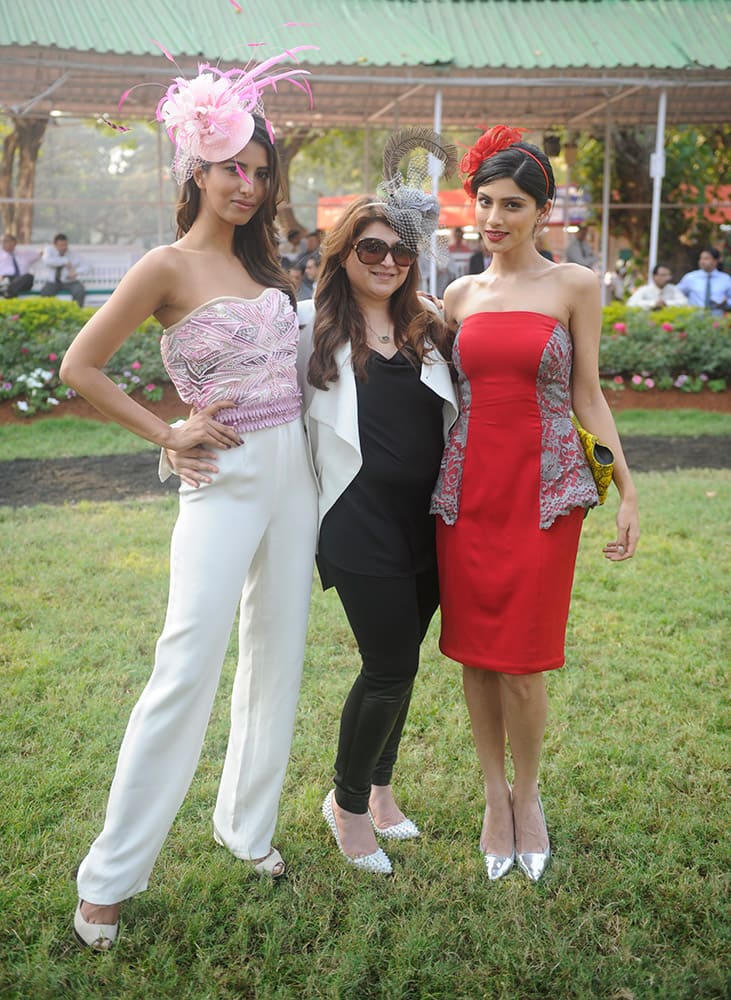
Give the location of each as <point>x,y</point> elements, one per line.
<point>211,117</point>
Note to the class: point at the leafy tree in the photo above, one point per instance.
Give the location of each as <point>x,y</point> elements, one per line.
<point>695,159</point>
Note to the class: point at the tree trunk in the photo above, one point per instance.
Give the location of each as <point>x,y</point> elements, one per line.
<point>288,149</point>
<point>22,146</point>
<point>7,210</point>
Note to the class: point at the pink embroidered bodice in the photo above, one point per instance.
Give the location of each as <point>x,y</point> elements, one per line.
<point>238,349</point>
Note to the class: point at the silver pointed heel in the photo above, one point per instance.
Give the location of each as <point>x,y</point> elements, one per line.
<point>98,937</point>
<point>498,865</point>
<point>376,863</point>
<point>405,830</point>
<point>534,863</point>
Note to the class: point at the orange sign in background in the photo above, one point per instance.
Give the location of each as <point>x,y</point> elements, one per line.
<point>456,209</point>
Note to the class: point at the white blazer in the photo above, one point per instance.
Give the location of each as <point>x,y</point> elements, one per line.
<point>331,415</point>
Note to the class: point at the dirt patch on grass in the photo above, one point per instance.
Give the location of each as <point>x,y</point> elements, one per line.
<point>26,482</point>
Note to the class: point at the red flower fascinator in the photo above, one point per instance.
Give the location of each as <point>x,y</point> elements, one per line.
<point>492,141</point>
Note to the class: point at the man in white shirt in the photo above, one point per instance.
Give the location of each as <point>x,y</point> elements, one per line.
<point>708,288</point>
<point>63,270</point>
<point>658,293</point>
<point>15,276</point>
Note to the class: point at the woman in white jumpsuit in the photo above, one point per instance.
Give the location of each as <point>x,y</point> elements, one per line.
<point>230,347</point>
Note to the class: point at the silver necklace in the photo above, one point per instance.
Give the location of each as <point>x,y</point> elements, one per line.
<point>384,338</point>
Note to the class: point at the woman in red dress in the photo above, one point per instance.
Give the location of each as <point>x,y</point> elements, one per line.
<point>514,484</point>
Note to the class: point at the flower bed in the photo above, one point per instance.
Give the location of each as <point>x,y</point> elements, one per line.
<point>34,336</point>
<point>685,350</point>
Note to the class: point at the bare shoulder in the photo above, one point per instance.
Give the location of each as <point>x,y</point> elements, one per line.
<point>162,260</point>
<point>576,277</point>
<point>455,295</point>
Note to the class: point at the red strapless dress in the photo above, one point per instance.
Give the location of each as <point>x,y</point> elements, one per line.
<point>505,581</point>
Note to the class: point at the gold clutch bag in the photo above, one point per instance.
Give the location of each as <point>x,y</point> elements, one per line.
<point>599,457</point>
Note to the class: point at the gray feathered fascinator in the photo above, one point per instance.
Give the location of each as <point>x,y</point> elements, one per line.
<point>412,212</point>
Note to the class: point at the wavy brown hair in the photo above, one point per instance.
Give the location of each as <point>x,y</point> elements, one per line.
<point>255,244</point>
<point>338,317</point>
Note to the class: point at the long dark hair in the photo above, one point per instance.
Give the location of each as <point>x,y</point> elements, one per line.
<point>255,244</point>
<point>514,162</point>
<point>338,318</point>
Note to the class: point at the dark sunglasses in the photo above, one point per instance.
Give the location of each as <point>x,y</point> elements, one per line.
<point>372,251</point>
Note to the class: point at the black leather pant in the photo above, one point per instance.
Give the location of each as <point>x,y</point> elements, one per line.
<point>389,617</point>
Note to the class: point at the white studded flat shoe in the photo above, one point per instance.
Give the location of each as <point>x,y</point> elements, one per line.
<point>98,937</point>
<point>405,830</point>
<point>376,863</point>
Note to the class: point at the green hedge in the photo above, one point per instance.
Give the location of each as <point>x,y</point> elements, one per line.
<point>687,348</point>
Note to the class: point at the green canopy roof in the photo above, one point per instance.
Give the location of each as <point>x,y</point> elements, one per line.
<point>537,60</point>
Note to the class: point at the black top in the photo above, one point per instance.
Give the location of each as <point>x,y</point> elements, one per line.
<point>380,525</point>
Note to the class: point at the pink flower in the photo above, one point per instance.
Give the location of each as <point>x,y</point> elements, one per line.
<point>620,327</point>
<point>135,365</point>
<point>649,383</point>
<point>14,317</point>
<point>23,350</point>
<point>619,380</point>
<point>636,380</point>
<point>53,357</point>
<point>150,388</point>
<point>667,327</point>
<point>682,335</point>
<point>703,377</point>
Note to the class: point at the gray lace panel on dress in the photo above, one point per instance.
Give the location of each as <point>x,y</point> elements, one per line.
<point>566,480</point>
<point>445,498</point>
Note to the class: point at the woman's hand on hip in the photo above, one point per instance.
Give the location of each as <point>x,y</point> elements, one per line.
<point>202,428</point>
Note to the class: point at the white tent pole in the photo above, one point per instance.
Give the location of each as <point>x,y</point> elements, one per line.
<point>367,158</point>
<point>657,172</point>
<point>161,213</point>
<point>435,184</point>
<point>605,203</point>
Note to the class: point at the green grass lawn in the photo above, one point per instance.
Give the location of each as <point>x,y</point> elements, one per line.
<point>634,904</point>
<point>73,437</point>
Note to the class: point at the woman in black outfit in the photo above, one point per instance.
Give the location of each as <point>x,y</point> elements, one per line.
<point>379,401</point>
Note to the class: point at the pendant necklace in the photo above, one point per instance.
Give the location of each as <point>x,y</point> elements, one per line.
<point>384,338</point>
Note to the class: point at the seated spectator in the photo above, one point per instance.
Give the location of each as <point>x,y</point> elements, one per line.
<point>296,274</point>
<point>580,251</point>
<point>542,248</point>
<point>707,288</point>
<point>479,261</point>
<point>293,249</point>
<point>312,248</point>
<point>312,272</point>
<point>459,244</point>
<point>63,270</point>
<point>658,292</point>
<point>15,276</point>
